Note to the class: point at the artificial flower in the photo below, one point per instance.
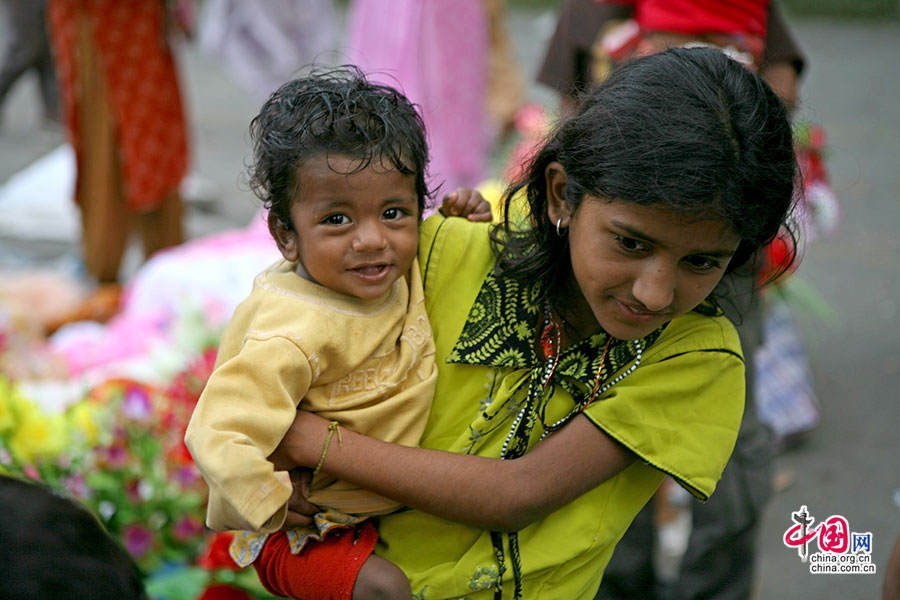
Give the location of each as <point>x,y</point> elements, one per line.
<point>188,527</point>
<point>136,405</point>
<point>224,591</point>
<point>216,555</point>
<point>7,419</point>
<point>138,540</point>
<point>38,436</point>
<point>84,421</point>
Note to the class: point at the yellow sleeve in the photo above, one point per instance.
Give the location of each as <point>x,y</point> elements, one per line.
<point>680,410</point>
<point>454,256</point>
<point>246,407</point>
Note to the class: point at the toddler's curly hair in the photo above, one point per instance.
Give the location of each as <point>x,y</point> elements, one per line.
<point>333,111</point>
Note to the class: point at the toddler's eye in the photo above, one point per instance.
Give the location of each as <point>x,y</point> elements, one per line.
<point>393,214</point>
<point>337,219</point>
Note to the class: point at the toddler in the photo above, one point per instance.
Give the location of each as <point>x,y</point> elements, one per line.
<point>338,328</point>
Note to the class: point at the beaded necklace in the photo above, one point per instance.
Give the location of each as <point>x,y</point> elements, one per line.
<point>551,337</point>
<point>551,324</point>
<point>597,390</point>
<point>551,341</point>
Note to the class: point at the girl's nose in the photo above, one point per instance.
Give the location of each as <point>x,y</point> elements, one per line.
<point>655,287</point>
<point>369,238</point>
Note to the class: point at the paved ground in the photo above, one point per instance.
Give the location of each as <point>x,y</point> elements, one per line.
<point>847,467</point>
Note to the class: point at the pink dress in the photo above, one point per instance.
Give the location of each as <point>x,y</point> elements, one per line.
<point>436,53</point>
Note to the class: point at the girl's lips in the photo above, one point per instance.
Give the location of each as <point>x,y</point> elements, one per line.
<point>637,316</point>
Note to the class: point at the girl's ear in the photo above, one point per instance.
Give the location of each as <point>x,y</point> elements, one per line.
<point>284,237</point>
<point>558,209</point>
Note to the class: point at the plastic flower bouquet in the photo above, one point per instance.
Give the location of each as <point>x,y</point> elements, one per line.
<point>120,451</point>
<point>117,452</point>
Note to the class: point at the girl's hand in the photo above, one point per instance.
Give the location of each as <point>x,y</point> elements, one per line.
<point>302,445</point>
<point>300,510</point>
<point>466,203</point>
<point>298,452</point>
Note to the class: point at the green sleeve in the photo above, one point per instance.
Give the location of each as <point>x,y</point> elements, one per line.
<point>681,409</point>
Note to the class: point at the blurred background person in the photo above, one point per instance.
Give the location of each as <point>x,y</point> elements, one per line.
<point>264,44</point>
<point>52,547</point>
<point>575,57</point>
<point>125,119</point>
<point>27,48</point>
<point>437,54</point>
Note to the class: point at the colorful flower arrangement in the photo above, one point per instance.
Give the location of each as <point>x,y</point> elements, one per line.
<point>120,451</point>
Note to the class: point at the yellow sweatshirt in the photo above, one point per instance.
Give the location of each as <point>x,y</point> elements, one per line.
<point>368,364</point>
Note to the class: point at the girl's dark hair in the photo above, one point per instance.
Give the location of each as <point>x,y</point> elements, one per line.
<point>333,111</point>
<point>689,130</point>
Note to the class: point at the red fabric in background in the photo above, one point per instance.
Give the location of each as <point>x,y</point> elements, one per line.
<point>142,86</point>
<point>701,16</point>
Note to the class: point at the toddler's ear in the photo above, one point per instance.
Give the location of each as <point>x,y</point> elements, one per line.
<point>285,237</point>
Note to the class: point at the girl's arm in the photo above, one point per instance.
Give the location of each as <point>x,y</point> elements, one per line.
<point>511,493</point>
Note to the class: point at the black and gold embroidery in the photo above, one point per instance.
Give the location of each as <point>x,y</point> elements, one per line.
<point>501,330</point>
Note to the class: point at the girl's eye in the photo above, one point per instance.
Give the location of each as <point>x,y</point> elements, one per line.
<point>702,263</point>
<point>630,244</point>
<point>337,219</point>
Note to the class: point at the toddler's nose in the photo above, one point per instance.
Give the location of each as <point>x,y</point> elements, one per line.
<point>369,238</point>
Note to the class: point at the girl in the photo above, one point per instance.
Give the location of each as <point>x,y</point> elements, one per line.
<point>581,342</point>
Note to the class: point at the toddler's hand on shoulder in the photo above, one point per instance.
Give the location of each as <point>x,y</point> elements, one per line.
<point>467,203</point>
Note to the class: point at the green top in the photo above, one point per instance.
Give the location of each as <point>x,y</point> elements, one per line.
<point>679,411</point>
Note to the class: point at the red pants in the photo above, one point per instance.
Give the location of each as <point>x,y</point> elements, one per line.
<point>325,570</point>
